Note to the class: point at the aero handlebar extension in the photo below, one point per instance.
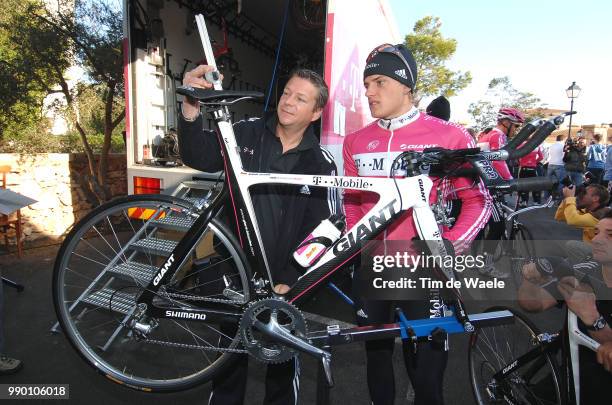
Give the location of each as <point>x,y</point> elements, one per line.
<point>538,137</point>
<point>523,134</point>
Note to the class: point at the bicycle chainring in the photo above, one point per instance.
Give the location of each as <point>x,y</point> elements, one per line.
<point>261,346</point>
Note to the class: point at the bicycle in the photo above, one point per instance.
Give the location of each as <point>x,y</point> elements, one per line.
<point>516,242</point>
<point>516,364</point>
<point>121,295</point>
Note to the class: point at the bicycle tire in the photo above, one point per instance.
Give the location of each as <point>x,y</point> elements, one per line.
<point>523,250</point>
<point>491,348</point>
<point>92,296</point>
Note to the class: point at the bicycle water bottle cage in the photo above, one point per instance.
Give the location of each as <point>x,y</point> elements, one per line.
<point>217,97</point>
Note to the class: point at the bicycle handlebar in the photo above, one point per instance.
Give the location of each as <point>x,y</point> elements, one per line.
<point>538,137</point>
<point>527,184</point>
<point>523,134</point>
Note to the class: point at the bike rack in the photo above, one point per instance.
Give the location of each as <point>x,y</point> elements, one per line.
<point>408,330</point>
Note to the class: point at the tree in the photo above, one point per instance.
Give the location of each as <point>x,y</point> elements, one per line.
<point>500,94</point>
<point>88,34</point>
<point>21,99</point>
<point>431,50</point>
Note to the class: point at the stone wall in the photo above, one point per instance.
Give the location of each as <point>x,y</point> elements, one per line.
<point>53,180</point>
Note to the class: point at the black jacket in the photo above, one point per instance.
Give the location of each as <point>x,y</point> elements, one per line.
<point>574,159</point>
<point>286,214</point>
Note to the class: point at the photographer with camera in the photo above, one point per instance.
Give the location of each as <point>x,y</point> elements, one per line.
<point>574,158</point>
<point>582,207</point>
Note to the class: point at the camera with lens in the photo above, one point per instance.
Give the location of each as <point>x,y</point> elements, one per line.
<point>588,179</point>
<point>567,181</point>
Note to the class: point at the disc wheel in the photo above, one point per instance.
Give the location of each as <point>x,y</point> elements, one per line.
<point>111,256</point>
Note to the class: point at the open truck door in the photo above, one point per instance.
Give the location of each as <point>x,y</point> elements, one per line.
<point>256,45</point>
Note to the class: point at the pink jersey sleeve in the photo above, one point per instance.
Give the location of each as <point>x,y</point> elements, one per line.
<point>476,206</point>
<point>498,141</point>
<point>352,198</point>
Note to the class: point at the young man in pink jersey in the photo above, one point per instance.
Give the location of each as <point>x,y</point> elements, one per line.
<point>389,78</point>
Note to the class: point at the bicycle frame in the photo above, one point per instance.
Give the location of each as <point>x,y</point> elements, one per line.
<point>413,194</point>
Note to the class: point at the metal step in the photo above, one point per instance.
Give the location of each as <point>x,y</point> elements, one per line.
<point>154,246</point>
<point>195,200</point>
<point>174,223</point>
<point>123,302</point>
<point>143,273</point>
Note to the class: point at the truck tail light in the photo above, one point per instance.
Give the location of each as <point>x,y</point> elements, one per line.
<point>147,185</point>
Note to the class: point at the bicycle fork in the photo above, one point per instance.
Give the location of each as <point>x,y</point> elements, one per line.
<point>274,330</point>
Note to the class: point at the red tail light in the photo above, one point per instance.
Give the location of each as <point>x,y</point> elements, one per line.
<point>147,185</point>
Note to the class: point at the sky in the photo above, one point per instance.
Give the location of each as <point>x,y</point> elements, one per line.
<point>541,45</point>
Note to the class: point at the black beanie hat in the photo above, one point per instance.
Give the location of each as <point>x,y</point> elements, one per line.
<point>388,64</point>
<point>439,108</point>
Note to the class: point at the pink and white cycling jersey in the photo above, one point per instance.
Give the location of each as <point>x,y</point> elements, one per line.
<point>496,140</point>
<point>370,152</point>
<point>532,158</point>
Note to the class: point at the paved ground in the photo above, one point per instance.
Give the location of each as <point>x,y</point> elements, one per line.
<point>49,359</point>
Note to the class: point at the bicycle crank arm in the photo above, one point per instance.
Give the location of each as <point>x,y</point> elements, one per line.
<point>274,330</point>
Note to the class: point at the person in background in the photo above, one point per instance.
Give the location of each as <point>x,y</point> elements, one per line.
<point>608,165</point>
<point>556,166</point>
<point>473,133</point>
<point>596,159</point>
<point>585,288</point>
<point>582,211</point>
<point>574,159</point>
<point>509,120</point>
<point>528,168</point>
<point>542,167</point>
<point>8,365</point>
<point>439,108</point>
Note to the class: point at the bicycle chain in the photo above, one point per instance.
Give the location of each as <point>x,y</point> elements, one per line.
<point>188,346</point>
<point>197,298</point>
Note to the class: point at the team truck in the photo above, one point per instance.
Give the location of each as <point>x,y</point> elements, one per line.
<point>256,44</point>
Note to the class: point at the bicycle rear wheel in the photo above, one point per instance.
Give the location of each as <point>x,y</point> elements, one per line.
<point>493,348</point>
<point>110,257</point>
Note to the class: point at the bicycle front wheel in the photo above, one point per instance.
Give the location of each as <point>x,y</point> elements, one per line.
<point>491,349</point>
<point>111,256</point>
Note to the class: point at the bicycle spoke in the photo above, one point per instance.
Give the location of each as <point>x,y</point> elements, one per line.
<point>97,307</point>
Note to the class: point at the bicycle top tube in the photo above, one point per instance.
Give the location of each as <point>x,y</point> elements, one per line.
<point>512,213</point>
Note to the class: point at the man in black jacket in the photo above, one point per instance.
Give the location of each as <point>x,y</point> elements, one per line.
<point>574,159</point>
<point>281,143</point>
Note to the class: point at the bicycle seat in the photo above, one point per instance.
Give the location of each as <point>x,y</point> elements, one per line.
<point>210,96</point>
